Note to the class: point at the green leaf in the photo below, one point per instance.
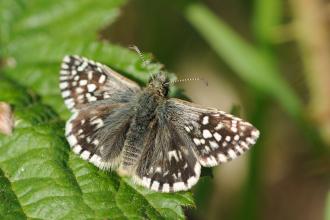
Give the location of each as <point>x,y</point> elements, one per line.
<point>9,206</point>
<point>40,178</point>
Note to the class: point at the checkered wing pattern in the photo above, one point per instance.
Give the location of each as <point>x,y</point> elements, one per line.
<point>97,133</point>
<point>166,164</point>
<point>215,136</point>
<point>84,81</point>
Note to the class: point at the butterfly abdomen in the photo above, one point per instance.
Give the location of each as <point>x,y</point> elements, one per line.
<point>145,109</point>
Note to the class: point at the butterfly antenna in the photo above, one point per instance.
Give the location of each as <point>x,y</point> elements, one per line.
<point>190,79</point>
<point>137,50</point>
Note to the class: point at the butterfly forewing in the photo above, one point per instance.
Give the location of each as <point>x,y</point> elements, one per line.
<point>84,81</point>
<point>217,136</point>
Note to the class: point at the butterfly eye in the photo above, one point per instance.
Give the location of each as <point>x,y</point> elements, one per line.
<point>165,88</point>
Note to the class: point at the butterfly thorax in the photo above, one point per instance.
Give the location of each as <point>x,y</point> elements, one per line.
<point>158,85</point>
<point>145,113</point>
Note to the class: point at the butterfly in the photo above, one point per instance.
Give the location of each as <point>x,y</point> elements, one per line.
<point>160,142</point>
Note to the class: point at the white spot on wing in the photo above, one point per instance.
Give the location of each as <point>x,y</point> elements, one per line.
<point>197,141</point>
<point>64,77</point>
<point>96,160</point>
<point>79,90</point>
<point>102,79</point>
<point>98,122</point>
<point>91,87</point>
<point>77,149</point>
<point>222,158</point>
<point>146,181</point>
<point>217,136</point>
<point>85,155</point>
<point>214,145</point>
<point>206,133</point>
<point>250,140</point>
<point>72,140</point>
<point>69,103</point>
<point>82,66</point>
<point>197,169</point>
<point>155,185</point>
<point>219,126</point>
<point>255,133</point>
<point>64,72</point>
<point>83,82</point>
<point>192,181</point>
<point>244,145</point>
<point>68,126</point>
<point>96,142</point>
<point>166,187</point>
<point>211,161</point>
<point>173,154</point>
<point>67,59</point>
<point>239,149</point>
<point>179,186</point>
<point>66,93</point>
<point>63,85</point>
<point>64,66</point>
<point>205,120</point>
<point>232,154</point>
<point>90,75</point>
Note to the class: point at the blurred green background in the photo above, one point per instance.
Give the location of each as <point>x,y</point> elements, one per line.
<point>265,60</point>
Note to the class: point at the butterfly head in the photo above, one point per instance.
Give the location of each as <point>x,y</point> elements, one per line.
<point>159,83</point>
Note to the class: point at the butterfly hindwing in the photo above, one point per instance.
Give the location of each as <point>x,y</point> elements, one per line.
<point>167,164</point>
<point>84,81</point>
<point>217,136</point>
<point>97,133</point>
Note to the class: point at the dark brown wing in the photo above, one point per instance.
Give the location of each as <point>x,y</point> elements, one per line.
<point>84,81</point>
<point>215,136</point>
<point>166,164</point>
<point>97,133</point>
